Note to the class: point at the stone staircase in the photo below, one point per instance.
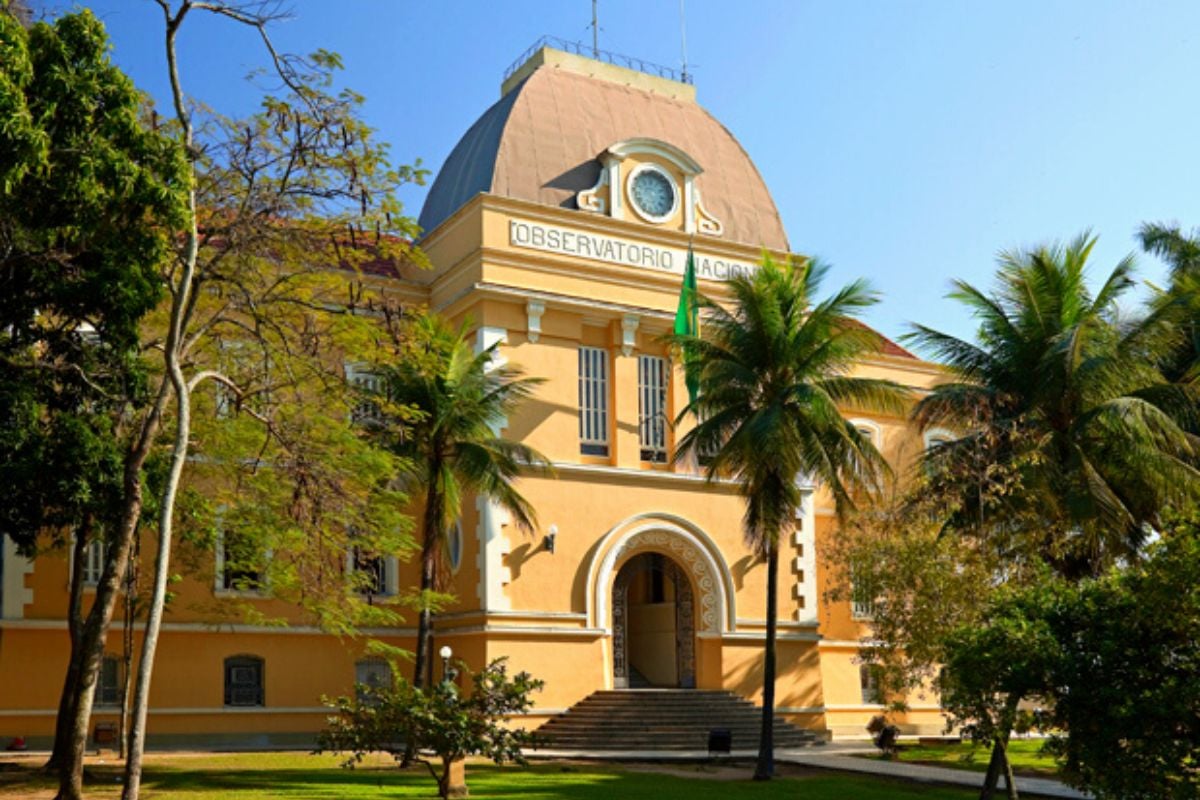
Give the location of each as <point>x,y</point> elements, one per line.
<point>662,719</point>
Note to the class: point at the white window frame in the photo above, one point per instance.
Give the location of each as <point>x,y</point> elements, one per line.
<point>360,376</point>
<point>937,435</point>
<point>860,609</point>
<point>219,581</point>
<point>455,547</point>
<point>594,371</point>
<point>93,563</point>
<point>391,573</point>
<point>654,375</point>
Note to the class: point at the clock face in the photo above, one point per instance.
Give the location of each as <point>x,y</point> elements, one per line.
<point>653,194</point>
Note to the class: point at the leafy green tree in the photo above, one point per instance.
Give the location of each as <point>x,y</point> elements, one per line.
<point>460,399</point>
<point>1007,656</point>
<point>1126,687</point>
<point>88,197</point>
<point>772,374</point>
<point>1060,388</point>
<point>438,719</point>
<point>278,207</point>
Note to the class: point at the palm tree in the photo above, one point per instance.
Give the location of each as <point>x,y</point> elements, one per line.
<point>1182,253</point>
<point>1065,399</point>
<point>458,400</point>
<point>771,374</point>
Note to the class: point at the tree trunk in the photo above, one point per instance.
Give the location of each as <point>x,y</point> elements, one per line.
<point>431,530</point>
<point>95,626</point>
<point>127,648</point>
<point>181,304</point>
<point>992,777</point>
<point>999,764</point>
<point>67,700</point>
<point>1009,779</point>
<point>765,768</point>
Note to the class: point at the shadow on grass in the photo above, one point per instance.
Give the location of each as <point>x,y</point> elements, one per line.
<point>211,778</point>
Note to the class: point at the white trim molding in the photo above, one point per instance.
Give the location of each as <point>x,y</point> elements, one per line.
<point>14,594</point>
<point>534,309</point>
<point>683,540</point>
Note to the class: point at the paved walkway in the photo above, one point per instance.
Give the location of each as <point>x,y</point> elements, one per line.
<point>838,757</point>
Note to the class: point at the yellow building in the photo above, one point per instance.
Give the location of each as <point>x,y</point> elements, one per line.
<point>559,225</point>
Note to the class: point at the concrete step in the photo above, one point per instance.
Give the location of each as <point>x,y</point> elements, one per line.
<point>662,719</point>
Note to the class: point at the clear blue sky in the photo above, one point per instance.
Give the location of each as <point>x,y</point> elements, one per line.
<point>906,142</point>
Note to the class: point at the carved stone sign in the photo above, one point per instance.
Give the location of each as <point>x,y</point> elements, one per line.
<point>616,250</point>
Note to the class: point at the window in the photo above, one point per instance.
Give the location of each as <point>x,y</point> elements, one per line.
<point>371,572</point>
<point>862,597</point>
<point>454,547</point>
<point>868,680</point>
<point>238,562</point>
<point>110,687</point>
<point>652,408</point>
<point>371,673</point>
<point>244,681</point>
<point>366,383</point>
<point>593,401</point>
<point>93,562</point>
<point>936,437</point>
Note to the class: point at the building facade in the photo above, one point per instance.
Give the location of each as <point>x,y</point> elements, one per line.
<point>559,227</point>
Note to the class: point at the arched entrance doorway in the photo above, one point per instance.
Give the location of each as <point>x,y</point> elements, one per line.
<point>654,624</point>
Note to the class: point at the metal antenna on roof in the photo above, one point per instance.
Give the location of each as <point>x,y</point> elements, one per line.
<point>595,32</point>
<point>683,41</point>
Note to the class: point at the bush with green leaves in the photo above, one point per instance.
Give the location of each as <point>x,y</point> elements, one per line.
<point>439,720</point>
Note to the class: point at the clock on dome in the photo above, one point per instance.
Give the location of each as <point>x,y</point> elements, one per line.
<point>653,192</point>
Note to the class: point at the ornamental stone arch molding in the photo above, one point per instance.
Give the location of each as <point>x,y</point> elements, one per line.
<point>684,542</point>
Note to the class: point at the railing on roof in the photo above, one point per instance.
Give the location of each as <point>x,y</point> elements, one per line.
<point>581,49</point>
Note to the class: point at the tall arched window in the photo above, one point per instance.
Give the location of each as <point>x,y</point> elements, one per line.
<point>244,681</point>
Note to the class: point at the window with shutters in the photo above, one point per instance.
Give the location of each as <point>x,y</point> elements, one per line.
<point>244,681</point>
<point>652,408</point>
<point>593,401</point>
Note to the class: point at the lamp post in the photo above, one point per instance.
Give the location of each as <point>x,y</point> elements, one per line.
<point>445,653</point>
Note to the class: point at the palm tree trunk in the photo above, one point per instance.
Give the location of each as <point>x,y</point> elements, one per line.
<point>430,532</point>
<point>765,768</point>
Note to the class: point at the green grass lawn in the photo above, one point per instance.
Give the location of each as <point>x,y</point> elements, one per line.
<point>258,776</point>
<point>1025,754</point>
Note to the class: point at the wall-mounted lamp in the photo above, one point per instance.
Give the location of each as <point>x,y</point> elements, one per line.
<point>548,541</point>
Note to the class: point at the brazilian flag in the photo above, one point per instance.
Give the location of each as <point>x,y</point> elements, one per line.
<point>687,322</point>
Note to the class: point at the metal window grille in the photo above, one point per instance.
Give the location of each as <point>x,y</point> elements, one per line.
<point>93,562</point>
<point>370,676</point>
<point>243,682</point>
<point>652,408</point>
<point>862,598</point>
<point>108,688</point>
<point>593,401</point>
<point>365,411</point>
